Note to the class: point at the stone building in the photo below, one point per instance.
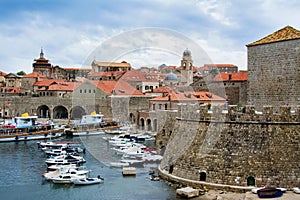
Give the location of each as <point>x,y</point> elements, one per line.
<point>110,66</point>
<point>274,69</point>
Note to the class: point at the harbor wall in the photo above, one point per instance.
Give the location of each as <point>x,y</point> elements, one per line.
<point>243,148</point>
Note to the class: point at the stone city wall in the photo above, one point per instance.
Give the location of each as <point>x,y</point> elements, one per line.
<point>233,148</point>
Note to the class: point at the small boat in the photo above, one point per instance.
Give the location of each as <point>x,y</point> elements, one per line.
<point>89,125</point>
<point>119,164</point>
<point>65,160</point>
<point>269,192</point>
<point>88,181</point>
<point>67,178</point>
<point>65,172</point>
<point>296,190</point>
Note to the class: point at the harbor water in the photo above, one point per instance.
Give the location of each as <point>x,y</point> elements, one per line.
<point>22,165</point>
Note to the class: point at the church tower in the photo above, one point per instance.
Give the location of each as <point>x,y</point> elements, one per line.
<point>42,66</point>
<point>186,68</point>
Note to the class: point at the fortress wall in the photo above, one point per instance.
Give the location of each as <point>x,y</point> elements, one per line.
<point>274,74</point>
<point>236,146</point>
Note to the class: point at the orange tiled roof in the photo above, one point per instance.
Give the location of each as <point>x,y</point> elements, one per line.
<point>219,65</point>
<point>162,89</point>
<point>112,64</point>
<point>117,88</point>
<point>189,96</point>
<point>34,75</point>
<point>48,82</point>
<point>11,89</point>
<point>286,33</point>
<point>137,75</point>
<point>238,76</point>
<point>66,86</point>
<point>106,74</point>
<point>2,73</point>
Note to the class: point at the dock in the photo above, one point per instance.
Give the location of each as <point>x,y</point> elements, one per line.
<point>129,171</point>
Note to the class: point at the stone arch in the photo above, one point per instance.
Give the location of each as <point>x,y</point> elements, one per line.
<point>202,176</point>
<point>142,124</point>
<point>250,181</point>
<point>43,111</point>
<point>149,126</point>
<point>77,112</point>
<point>60,112</point>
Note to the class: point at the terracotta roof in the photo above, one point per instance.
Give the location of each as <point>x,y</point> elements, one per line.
<point>112,64</point>
<point>286,33</point>
<point>11,89</point>
<point>238,76</point>
<point>117,88</point>
<point>189,96</point>
<point>106,74</point>
<point>220,65</point>
<point>48,82</point>
<point>61,86</point>
<point>137,75</point>
<point>162,89</point>
<point>2,73</point>
<point>34,75</point>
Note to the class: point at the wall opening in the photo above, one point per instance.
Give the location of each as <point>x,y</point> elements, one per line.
<point>171,168</point>
<point>202,176</point>
<point>250,181</point>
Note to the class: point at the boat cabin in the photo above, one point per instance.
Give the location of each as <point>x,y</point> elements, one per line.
<point>92,119</point>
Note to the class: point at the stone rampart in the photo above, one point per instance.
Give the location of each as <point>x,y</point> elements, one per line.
<point>240,147</point>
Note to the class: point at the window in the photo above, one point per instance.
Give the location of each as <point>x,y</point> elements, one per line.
<point>80,91</point>
<point>153,107</point>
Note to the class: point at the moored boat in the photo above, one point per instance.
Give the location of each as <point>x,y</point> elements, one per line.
<point>88,125</point>
<point>67,178</point>
<point>88,181</point>
<point>269,192</point>
<point>26,128</point>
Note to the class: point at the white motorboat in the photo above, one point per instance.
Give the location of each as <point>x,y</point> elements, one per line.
<point>55,152</point>
<point>64,172</point>
<point>88,181</point>
<point>55,167</point>
<point>296,190</point>
<point>119,164</point>
<point>65,160</point>
<point>67,178</point>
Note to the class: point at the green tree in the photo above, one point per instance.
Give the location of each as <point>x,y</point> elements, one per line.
<point>21,73</point>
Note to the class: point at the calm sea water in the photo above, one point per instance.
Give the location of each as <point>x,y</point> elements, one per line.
<point>22,164</point>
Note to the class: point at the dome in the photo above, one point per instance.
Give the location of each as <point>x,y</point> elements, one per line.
<point>187,52</point>
<point>171,77</point>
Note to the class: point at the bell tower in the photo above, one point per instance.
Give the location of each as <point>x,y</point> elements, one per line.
<point>186,68</point>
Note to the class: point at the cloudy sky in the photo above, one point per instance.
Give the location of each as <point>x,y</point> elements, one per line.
<point>143,33</point>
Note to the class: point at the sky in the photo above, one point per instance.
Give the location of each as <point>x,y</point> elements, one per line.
<point>72,33</point>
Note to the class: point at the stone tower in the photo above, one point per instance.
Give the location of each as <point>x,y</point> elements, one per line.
<point>42,66</point>
<point>274,69</point>
<point>186,68</point>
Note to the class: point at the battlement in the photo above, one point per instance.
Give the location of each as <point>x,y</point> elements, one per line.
<point>238,114</point>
